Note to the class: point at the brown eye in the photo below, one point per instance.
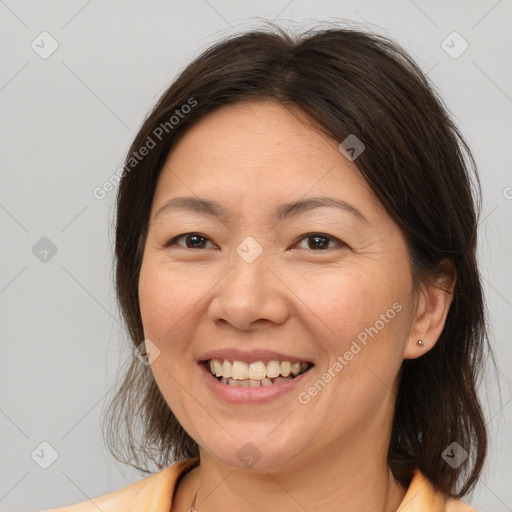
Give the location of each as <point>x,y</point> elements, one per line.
<point>320,241</point>
<point>192,241</point>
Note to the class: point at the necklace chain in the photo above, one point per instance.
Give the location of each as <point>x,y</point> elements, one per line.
<point>193,506</point>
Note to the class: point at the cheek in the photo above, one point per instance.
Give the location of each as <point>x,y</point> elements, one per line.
<point>345,302</point>
<point>167,303</point>
<point>167,300</point>
<point>360,315</point>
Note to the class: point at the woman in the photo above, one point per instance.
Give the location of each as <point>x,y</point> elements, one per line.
<point>296,266</point>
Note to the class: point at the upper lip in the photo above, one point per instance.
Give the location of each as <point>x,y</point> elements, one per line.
<point>252,356</point>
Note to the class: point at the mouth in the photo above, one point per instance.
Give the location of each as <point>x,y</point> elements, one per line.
<point>256,374</point>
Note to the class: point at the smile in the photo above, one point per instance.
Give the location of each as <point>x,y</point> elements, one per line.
<point>255,374</point>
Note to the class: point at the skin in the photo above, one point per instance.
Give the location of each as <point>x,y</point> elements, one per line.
<point>294,298</point>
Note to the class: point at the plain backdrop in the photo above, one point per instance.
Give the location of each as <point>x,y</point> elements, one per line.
<point>76,80</point>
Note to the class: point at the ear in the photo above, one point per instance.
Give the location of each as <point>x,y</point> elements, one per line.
<point>432,306</point>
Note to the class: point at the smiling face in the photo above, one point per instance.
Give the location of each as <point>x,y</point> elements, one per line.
<point>241,277</point>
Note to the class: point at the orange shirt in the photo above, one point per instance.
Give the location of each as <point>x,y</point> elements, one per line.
<point>154,494</point>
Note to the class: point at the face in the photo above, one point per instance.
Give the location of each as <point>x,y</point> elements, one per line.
<point>254,281</point>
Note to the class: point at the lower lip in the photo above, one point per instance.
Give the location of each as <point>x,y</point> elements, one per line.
<point>247,395</point>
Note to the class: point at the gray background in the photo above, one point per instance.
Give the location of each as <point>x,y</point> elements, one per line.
<point>67,122</point>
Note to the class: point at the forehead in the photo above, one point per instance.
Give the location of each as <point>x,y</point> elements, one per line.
<point>266,131</point>
<point>263,152</point>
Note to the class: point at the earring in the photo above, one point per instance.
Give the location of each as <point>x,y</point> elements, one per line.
<point>421,343</point>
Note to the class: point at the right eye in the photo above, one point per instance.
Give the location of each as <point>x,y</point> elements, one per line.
<point>192,241</point>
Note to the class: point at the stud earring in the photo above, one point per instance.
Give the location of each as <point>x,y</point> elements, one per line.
<point>421,343</point>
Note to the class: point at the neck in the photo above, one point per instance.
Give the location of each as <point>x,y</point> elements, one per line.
<point>364,484</point>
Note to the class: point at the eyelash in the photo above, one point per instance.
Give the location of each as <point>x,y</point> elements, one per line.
<point>172,241</point>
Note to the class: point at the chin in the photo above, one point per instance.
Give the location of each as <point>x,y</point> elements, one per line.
<point>258,452</point>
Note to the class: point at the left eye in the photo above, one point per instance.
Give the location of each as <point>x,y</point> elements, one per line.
<point>319,241</point>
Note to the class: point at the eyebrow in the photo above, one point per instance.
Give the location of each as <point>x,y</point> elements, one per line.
<point>284,211</point>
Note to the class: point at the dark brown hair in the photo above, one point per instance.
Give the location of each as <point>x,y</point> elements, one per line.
<point>418,165</point>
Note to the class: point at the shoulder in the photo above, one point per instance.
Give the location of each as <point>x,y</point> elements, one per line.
<point>458,506</point>
<point>421,495</point>
<point>153,493</point>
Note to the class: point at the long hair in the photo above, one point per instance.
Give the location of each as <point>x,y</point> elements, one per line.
<point>417,164</point>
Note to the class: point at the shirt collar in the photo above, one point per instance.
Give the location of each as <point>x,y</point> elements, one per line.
<point>421,495</point>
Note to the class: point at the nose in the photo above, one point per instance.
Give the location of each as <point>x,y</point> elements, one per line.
<point>249,294</point>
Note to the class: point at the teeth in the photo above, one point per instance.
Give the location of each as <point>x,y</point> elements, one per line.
<point>248,383</point>
<point>227,369</point>
<point>286,368</point>
<point>254,374</point>
<point>257,371</point>
<point>240,370</point>
<point>273,369</point>
<point>216,367</point>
